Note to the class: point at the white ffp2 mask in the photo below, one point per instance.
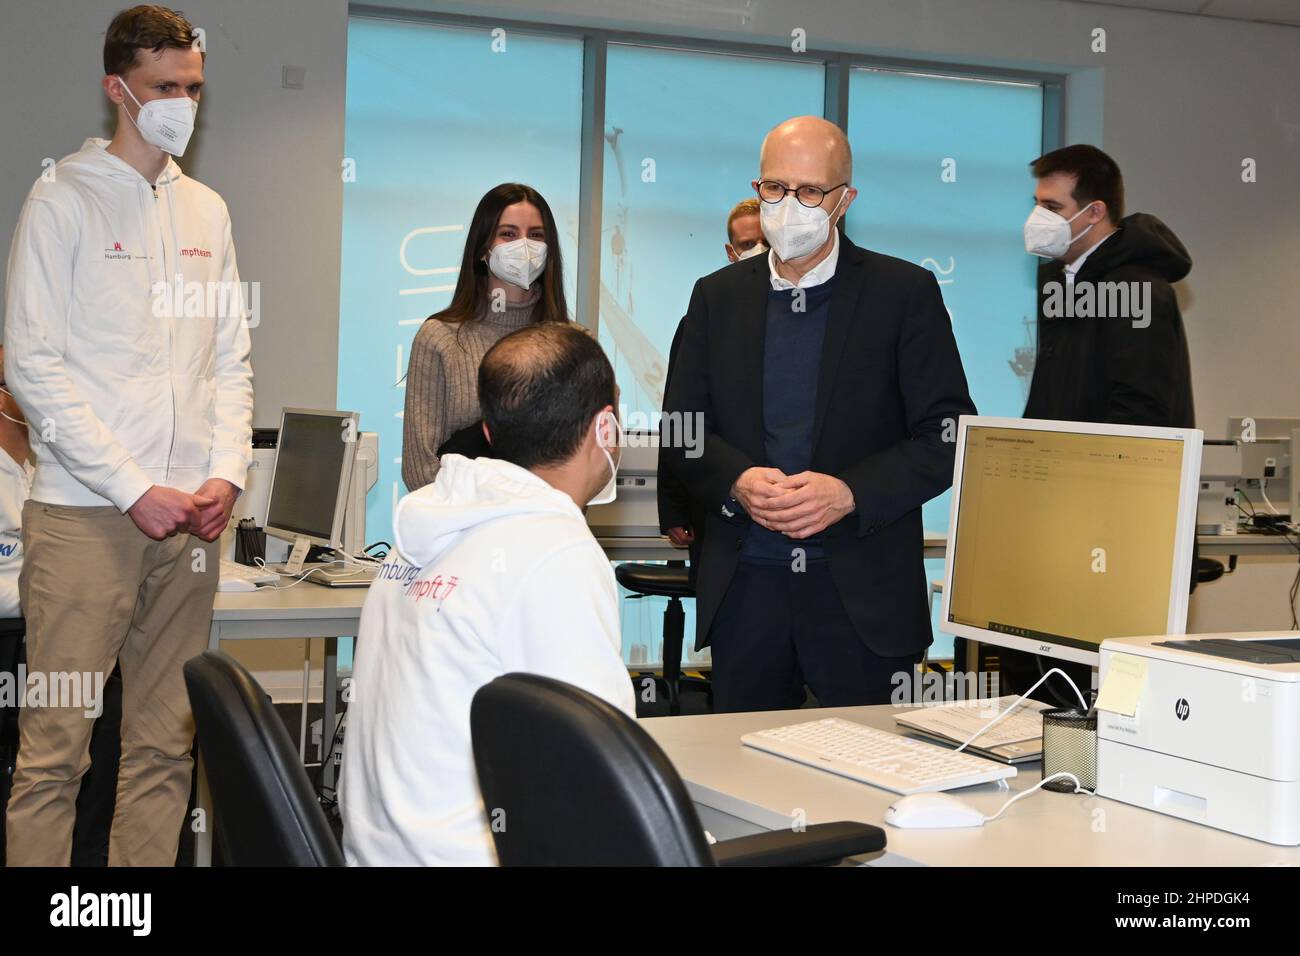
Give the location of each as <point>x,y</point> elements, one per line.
<point>167,123</point>
<point>793,229</point>
<point>1047,234</point>
<point>519,262</point>
<point>607,494</point>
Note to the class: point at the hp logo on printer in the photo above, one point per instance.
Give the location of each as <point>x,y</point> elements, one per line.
<point>1182,709</point>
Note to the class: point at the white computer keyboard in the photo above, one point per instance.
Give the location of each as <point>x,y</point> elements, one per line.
<point>241,577</point>
<point>877,757</point>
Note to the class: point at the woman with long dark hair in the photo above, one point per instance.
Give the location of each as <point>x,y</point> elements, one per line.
<point>511,275</point>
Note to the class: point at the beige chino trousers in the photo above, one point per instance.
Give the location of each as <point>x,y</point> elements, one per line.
<point>95,590</point>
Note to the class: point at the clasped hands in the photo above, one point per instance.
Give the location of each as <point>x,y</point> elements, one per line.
<point>798,506</point>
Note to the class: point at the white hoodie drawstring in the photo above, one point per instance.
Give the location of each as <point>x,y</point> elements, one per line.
<point>146,233</point>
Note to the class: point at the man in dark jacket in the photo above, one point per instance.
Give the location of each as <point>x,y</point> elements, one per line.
<point>680,520</point>
<point>1130,368</point>
<point>828,385</point>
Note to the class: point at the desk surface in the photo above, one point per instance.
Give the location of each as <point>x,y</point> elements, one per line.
<point>1043,829</point>
<point>936,543</point>
<point>302,601</point>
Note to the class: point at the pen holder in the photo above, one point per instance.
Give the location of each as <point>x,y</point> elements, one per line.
<point>1070,745</point>
<point>250,544</point>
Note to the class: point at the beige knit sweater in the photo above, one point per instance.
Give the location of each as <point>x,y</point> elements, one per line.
<point>442,383</point>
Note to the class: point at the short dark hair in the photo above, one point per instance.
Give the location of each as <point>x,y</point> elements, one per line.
<point>1097,176</point>
<point>146,27</point>
<point>539,389</point>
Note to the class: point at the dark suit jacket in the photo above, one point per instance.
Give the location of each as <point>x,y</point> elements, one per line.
<point>889,393</point>
<point>676,509</point>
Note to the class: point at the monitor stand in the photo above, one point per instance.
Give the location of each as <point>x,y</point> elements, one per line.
<point>297,555</point>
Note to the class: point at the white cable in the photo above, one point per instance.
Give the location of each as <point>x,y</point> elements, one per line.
<point>1263,490</point>
<point>261,563</point>
<point>16,421</point>
<point>1078,788</point>
<point>360,561</point>
<point>1020,700</point>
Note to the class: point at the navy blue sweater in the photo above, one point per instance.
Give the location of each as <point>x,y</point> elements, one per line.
<point>792,357</point>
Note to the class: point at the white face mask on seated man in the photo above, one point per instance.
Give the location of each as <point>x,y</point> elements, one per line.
<point>614,433</point>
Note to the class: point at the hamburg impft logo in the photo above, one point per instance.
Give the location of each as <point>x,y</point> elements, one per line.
<point>1182,709</point>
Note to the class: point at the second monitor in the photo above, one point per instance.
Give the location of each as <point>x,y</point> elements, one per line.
<point>310,483</point>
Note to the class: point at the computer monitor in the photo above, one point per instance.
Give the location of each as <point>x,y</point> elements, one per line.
<point>1066,533</point>
<point>309,484</point>
<point>634,513</point>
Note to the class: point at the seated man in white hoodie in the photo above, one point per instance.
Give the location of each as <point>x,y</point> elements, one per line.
<point>493,571</point>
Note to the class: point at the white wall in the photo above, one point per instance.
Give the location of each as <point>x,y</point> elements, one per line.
<point>273,154</point>
<point>1178,100</point>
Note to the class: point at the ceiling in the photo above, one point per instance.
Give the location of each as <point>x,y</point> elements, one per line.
<point>1264,11</point>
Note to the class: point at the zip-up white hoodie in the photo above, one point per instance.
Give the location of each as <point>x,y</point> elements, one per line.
<point>125,390</point>
<point>493,571</point>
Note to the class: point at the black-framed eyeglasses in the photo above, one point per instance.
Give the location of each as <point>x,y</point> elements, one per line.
<point>769,190</point>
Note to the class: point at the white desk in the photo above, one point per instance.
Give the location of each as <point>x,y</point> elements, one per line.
<point>936,545</point>
<point>739,791</point>
<point>1218,545</point>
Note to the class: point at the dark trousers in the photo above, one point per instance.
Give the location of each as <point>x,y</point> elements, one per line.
<point>777,630</point>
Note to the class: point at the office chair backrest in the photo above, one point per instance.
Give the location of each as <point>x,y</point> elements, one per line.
<point>568,780</point>
<point>266,813</point>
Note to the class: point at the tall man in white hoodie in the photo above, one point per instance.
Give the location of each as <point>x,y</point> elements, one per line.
<point>141,414</point>
<point>494,571</point>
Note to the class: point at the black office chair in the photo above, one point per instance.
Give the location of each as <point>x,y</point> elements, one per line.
<point>574,782</point>
<point>671,580</point>
<point>1207,570</point>
<point>12,632</point>
<point>266,811</point>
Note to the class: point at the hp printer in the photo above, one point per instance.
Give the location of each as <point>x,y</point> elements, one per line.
<point>1215,734</point>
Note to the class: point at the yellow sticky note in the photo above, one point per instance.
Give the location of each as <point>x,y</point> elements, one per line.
<point>1125,678</point>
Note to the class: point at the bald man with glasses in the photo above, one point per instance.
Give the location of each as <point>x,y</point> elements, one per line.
<point>829,386</point>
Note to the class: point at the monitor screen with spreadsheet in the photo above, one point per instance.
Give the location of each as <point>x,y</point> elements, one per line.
<point>1064,534</point>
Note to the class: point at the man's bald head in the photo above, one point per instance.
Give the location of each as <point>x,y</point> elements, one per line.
<point>539,389</point>
<point>809,143</point>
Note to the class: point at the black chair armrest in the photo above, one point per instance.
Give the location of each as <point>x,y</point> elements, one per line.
<point>818,845</point>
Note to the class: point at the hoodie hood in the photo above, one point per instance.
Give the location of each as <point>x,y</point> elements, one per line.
<point>466,494</point>
<point>94,159</point>
<point>1144,242</point>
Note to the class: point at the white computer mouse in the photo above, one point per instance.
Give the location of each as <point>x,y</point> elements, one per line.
<point>923,811</point>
